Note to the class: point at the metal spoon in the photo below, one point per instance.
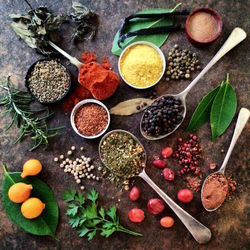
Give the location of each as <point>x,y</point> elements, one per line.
<point>200,233</point>
<point>235,38</point>
<point>241,122</point>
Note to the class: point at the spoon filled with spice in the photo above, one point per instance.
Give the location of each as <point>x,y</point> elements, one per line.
<point>215,187</point>
<point>167,112</point>
<point>125,157</point>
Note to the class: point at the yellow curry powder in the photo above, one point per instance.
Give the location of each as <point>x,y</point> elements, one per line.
<point>141,65</point>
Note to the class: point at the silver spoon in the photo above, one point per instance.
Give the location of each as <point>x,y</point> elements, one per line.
<point>235,38</point>
<point>200,233</point>
<point>241,122</point>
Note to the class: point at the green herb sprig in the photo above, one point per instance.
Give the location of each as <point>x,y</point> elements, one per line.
<point>18,102</point>
<point>88,218</point>
<point>219,105</point>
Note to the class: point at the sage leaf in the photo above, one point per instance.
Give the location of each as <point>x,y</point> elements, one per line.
<point>202,112</point>
<point>223,109</point>
<point>141,23</point>
<point>46,223</point>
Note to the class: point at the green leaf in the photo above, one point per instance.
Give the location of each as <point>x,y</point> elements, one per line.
<point>72,211</point>
<point>83,231</point>
<point>91,235</point>
<point>108,225</point>
<point>91,211</point>
<point>79,198</point>
<point>93,195</point>
<point>112,213</point>
<point>223,109</point>
<point>108,232</point>
<point>145,23</point>
<point>202,111</point>
<point>46,223</point>
<point>93,222</point>
<point>74,222</point>
<point>69,195</point>
<point>102,212</point>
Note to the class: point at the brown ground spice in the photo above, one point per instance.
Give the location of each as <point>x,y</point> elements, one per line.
<point>91,119</point>
<point>193,183</point>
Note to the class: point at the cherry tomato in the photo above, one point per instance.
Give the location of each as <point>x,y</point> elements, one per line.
<point>134,194</point>
<point>167,152</point>
<point>155,206</point>
<point>185,195</point>
<point>168,174</point>
<point>167,221</point>
<point>136,215</point>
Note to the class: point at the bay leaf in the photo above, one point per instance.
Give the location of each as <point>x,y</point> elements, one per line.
<point>223,109</point>
<point>145,23</point>
<point>202,112</point>
<point>46,223</point>
<point>129,107</point>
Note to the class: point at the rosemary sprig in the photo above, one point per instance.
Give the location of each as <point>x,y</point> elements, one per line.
<point>17,102</point>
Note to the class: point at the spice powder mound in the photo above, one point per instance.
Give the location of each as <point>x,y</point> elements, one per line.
<point>91,119</point>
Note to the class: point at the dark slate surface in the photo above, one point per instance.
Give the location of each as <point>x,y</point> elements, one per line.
<point>228,224</point>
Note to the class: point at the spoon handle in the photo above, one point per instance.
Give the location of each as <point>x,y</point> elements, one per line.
<point>237,36</point>
<point>241,122</point>
<point>72,59</point>
<point>201,233</point>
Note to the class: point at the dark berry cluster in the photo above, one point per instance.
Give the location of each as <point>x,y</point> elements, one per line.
<point>188,154</point>
<point>163,116</point>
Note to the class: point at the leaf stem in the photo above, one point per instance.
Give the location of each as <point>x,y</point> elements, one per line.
<point>7,174</point>
<point>124,230</point>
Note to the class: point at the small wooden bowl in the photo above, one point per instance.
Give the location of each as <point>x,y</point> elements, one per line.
<point>211,39</point>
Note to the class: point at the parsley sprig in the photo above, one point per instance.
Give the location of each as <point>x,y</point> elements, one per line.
<point>88,218</point>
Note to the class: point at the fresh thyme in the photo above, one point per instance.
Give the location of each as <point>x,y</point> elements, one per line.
<point>18,102</point>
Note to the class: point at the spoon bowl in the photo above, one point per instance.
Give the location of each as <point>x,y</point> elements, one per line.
<point>200,233</point>
<point>237,36</point>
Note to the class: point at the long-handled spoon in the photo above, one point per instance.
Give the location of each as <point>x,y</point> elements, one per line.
<point>241,122</point>
<point>235,38</point>
<point>201,233</point>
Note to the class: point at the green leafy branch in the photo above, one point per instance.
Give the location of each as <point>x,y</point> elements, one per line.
<point>17,102</point>
<point>88,218</point>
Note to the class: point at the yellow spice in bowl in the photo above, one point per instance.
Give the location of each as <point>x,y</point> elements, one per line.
<point>141,65</point>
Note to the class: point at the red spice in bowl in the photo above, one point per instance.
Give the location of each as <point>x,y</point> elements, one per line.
<point>203,26</point>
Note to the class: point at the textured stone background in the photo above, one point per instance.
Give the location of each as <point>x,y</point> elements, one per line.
<point>228,224</point>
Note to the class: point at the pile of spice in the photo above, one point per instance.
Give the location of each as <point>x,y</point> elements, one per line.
<point>202,26</point>
<point>78,94</point>
<point>193,183</point>
<point>99,79</point>
<point>181,63</point>
<point>122,155</point>
<point>163,116</point>
<point>91,119</point>
<point>214,191</point>
<point>48,81</point>
<point>188,154</point>
<point>141,65</point>
<point>79,167</point>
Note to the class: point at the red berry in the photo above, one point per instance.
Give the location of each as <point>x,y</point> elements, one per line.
<point>167,152</point>
<point>167,221</point>
<point>134,194</point>
<point>136,215</point>
<point>168,174</point>
<point>155,206</point>
<point>185,195</point>
<point>159,163</point>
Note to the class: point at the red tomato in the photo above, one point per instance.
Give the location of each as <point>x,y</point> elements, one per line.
<point>167,221</point>
<point>185,195</point>
<point>155,206</point>
<point>134,194</point>
<point>167,152</point>
<point>136,215</point>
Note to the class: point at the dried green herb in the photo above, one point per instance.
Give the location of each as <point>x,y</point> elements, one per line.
<point>202,112</point>
<point>31,124</point>
<point>88,218</point>
<point>37,27</point>
<point>122,154</point>
<point>86,21</point>
<point>223,109</point>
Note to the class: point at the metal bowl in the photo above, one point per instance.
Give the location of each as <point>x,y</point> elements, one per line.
<point>28,75</point>
<point>72,117</point>
<point>159,52</point>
